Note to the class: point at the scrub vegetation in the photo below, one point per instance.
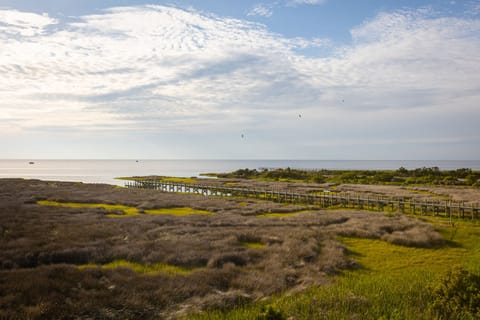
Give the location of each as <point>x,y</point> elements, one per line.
<point>402,176</point>
<point>63,256</point>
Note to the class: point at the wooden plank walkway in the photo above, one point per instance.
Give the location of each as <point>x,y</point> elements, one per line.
<point>446,208</point>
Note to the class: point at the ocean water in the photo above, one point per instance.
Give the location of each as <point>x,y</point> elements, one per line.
<point>105,171</point>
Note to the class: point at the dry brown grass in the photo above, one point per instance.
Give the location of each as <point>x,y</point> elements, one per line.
<point>398,229</point>
<point>42,247</point>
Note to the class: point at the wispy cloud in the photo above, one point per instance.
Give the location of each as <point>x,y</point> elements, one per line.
<point>474,7</point>
<point>16,23</point>
<point>263,10</point>
<point>266,9</point>
<point>310,2</point>
<point>153,69</point>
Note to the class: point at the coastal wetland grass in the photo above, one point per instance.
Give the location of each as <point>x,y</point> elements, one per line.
<point>161,178</point>
<point>127,210</point>
<point>179,212</point>
<point>430,194</point>
<point>133,211</point>
<point>281,215</point>
<point>391,282</point>
<point>253,245</point>
<point>302,272</point>
<point>149,269</point>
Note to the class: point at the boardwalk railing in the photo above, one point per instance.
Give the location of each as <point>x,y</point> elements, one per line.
<point>446,208</point>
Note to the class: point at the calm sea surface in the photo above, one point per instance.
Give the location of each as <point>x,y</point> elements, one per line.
<point>105,171</point>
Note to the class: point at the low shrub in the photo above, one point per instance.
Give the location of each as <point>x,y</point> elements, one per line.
<point>457,295</point>
<point>270,313</point>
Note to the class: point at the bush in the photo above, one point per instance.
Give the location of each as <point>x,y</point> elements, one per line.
<point>457,295</point>
<point>270,313</point>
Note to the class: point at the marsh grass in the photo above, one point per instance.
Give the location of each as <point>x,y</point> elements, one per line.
<point>428,193</point>
<point>281,214</point>
<point>464,237</point>
<point>393,282</point>
<point>127,210</point>
<point>179,212</point>
<point>179,180</point>
<point>161,178</point>
<point>149,269</point>
<point>253,245</point>
<point>305,271</point>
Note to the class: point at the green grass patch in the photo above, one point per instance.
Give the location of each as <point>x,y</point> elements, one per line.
<point>130,178</point>
<point>178,211</point>
<point>230,183</point>
<point>161,178</point>
<point>179,179</point>
<point>281,214</point>
<point>376,256</point>
<point>128,211</point>
<point>150,269</point>
<point>253,245</point>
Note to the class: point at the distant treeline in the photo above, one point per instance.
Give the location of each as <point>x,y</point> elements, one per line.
<point>401,176</point>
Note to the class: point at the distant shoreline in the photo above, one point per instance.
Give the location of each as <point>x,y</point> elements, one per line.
<point>105,171</point>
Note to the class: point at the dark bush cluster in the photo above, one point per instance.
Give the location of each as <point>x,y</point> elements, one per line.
<point>278,174</point>
<point>270,313</point>
<point>457,295</point>
<point>402,176</point>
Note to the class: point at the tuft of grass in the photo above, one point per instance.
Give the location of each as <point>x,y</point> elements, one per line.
<point>253,245</point>
<point>150,269</point>
<point>179,212</point>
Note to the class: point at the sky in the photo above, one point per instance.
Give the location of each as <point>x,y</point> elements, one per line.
<point>240,79</point>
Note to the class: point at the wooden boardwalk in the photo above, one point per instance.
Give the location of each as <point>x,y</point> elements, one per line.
<point>447,208</point>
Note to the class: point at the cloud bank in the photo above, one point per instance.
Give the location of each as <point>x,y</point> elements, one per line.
<point>409,78</point>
